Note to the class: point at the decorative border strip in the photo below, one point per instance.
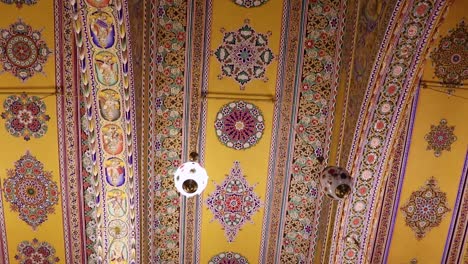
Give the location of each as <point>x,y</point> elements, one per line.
<point>327,214</point>
<point>192,101</point>
<point>293,236</point>
<point>205,10</point>
<point>379,61</point>
<point>68,133</point>
<point>129,127</point>
<point>289,96</point>
<point>90,129</point>
<point>148,154</point>
<point>391,198</point>
<point>4,257</point>
<point>458,232</point>
<point>146,139</point>
<point>416,31</point>
<point>331,117</point>
<point>288,26</point>
<point>92,126</point>
<point>164,149</point>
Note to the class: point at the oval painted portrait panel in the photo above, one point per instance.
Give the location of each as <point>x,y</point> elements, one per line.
<point>107,68</point>
<point>109,104</point>
<point>116,201</point>
<point>102,29</point>
<point>115,171</point>
<point>112,139</point>
<point>118,253</point>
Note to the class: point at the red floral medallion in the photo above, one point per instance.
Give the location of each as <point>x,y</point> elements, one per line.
<point>23,52</point>
<point>36,252</point>
<point>30,190</point>
<point>19,3</point>
<point>451,57</point>
<point>25,116</point>
<point>239,125</point>
<point>425,208</point>
<point>440,137</point>
<point>244,55</point>
<point>233,202</point>
<point>228,258</point>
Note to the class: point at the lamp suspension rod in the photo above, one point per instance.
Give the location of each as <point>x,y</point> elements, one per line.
<point>238,96</point>
<point>446,93</point>
<point>461,86</point>
<point>28,93</point>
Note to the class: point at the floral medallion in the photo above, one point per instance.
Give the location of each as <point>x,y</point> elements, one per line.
<point>425,208</point>
<point>250,3</point>
<point>19,3</point>
<point>228,258</point>
<point>36,252</point>
<point>244,55</point>
<point>25,116</point>
<point>30,190</point>
<point>233,202</point>
<point>23,52</point>
<point>440,137</point>
<point>118,229</point>
<point>451,57</point>
<point>239,125</point>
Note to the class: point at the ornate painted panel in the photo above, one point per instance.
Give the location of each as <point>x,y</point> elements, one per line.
<point>432,199</point>
<point>108,137</point>
<point>262,90</point>
<point>388,96</point>
<point>245,83</point>
<point>40,195</point>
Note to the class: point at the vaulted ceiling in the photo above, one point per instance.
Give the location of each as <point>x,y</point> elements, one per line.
<point>103,100</point>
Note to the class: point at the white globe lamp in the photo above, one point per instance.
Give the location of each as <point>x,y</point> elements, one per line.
<point>190,178</point>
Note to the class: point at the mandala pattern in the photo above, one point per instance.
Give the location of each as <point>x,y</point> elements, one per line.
<point>450,58</point>
<point>22,51</point>
<point>250,3</point>
<point>118,229</point>
<point>30,190</point>
<point>244,55</point>
<point>425,208</point>
<point>239,125</point>
<point>228,258</point>
<point>19,3</point>
<point>233,202</point>
<point>25,116</point>
<point>36,252</point>
<point>440,137</point>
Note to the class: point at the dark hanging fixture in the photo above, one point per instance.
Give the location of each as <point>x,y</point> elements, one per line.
<point>335,182</point>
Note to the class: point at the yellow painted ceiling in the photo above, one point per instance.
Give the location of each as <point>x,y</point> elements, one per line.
<point>431,105</point>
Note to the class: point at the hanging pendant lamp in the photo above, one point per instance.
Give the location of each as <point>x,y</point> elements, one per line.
<point>190,178</point>
<point>335,182</point>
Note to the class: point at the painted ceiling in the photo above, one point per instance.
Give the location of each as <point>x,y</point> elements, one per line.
<point>102,100</point>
